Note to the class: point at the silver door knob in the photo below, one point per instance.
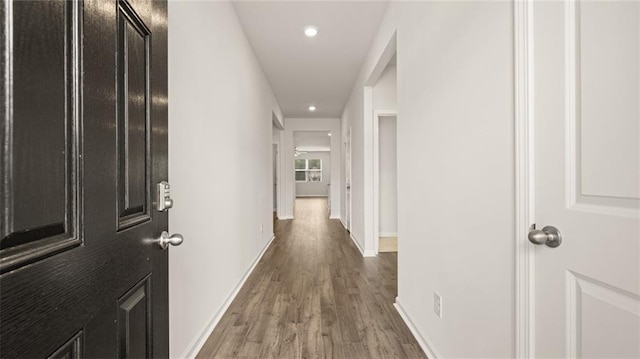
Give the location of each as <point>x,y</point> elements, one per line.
<point>166,239</point>
<point>549,236</point>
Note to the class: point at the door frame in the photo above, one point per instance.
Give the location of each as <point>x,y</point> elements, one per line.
<point>348,185</point>
<point>376,173</point>
<point>524,177</point>
<point>279,130</point>
<point>275,163</point>
<point>370,245</point>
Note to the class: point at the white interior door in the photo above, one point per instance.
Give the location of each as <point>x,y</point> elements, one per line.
<point>587,183</point>
<point>275,176</point>
<point>347,172</point>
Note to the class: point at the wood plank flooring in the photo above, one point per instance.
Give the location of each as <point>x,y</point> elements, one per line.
<point>314,296</point>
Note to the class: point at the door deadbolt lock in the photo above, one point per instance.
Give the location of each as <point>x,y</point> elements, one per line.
<point>164,196</point>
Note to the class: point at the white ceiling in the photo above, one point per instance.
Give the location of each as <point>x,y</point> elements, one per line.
<point>312,140</point>
<point>306,71</point>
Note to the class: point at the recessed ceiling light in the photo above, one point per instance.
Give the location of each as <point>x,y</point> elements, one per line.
<point>312,108</point>
<point>329,134</point>
<point>310,31</point>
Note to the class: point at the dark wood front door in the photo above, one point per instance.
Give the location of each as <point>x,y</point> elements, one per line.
<point>84,143</point>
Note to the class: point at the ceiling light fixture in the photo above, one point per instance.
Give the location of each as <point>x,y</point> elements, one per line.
<point>329,134</point>
<point>311,31</point>
<point>312,108</point>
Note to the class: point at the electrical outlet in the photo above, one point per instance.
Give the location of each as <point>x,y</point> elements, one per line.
<point>437,304</point>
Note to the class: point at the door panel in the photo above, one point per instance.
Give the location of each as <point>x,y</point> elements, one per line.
<point>587,116</point>
<point>605,88</point>
<point>84,141</point>
<point>133,118</point>
<point>134,318</point>
<point>71,349</point>
<point>40,160</point>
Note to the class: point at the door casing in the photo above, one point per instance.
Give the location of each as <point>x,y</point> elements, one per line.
<point>376,173</point>
<point>524,179</point>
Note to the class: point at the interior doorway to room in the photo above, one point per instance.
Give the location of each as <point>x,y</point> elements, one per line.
<point>276,132</point>
<point>274,158</point>
<point>384,129</point>
<point>387,188</point>
<point>347,171</point>
<point>312,165</point>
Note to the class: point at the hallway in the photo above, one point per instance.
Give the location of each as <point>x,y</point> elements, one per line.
<point>147,145</point>
<point>313,295</point>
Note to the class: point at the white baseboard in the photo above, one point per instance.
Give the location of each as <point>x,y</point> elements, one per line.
<point>285,217</point>
<point>370,253</point>
<point>311,196</point>
<point>196,344</point>
<point>343,224</point>
<point>335,217</point>
<point>364,253</point>
<point>356,243</point>
<point>426,345</point>
<point>388,234</point>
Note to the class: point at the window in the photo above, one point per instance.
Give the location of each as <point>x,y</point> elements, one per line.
<point>308,170</point>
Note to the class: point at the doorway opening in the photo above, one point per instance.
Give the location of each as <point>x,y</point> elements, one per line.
<point>385,156</point>
<point>274,152</point>
<point>276,134</point>
<point>347,188</point>
<point>312,165</point>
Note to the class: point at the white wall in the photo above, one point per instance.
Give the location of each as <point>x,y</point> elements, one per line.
<point>352,118</point>
<point>455,170</point>
<point>220,117</point>
<point>385,91</point>
<point>388,178</point>
<point>385,100</point>
<point>287,150</point>
<point>315,189</point>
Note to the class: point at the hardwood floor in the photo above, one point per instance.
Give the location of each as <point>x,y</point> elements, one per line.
<point>314,296</point>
